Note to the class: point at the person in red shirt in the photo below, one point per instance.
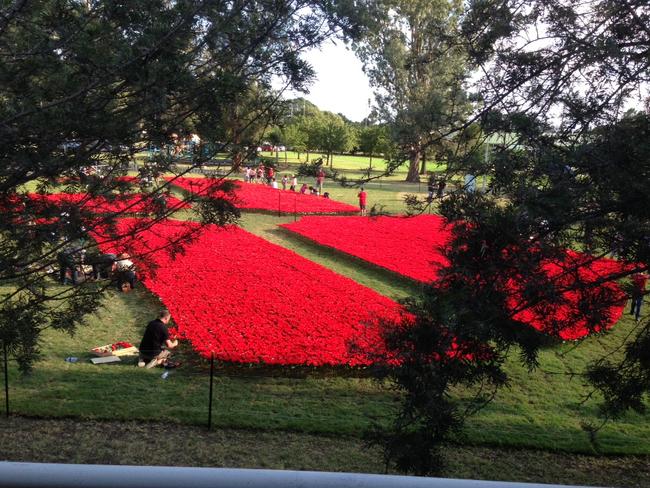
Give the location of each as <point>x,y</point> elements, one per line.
<point>320,177</point>
<point>639,281</point>
<point>363,196</point>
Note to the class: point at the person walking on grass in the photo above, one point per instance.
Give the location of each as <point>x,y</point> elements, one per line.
<point>441,187</point>
<point>320,178</point>
<point>639,281</point>
<point>431,184</point>
<point>156,343</point>
<point>363,197</point>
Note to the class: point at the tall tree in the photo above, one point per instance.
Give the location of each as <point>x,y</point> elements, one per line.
<point>295,136</point>
<point>331,134</point>
<point>558,79</point>
<point>412,57</point>
<point>373,140</point>
<point>296,108</point>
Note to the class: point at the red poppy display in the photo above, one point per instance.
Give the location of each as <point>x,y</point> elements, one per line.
<point>251,196</point>
<point>246,300</point>
<point>409,246</point>
<point>569,308</point>
<point>128,179</point>
<point>413,247</point>
<point>101,204</point>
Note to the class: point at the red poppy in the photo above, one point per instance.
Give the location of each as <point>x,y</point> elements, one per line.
<point>102,204</point>
<point>414,247</point>
<point>263,197</point>
<point>246,300</point>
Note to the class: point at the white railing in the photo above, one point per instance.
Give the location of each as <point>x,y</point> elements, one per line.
<point>28,475</point>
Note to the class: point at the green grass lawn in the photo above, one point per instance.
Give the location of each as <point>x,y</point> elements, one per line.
<point>352,166</point>
<point>340,161</point>
<point>346,162</point>
<point>540,410</point>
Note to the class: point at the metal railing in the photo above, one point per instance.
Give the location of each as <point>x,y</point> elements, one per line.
<point>28,475</point>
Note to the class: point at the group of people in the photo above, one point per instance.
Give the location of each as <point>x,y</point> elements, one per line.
<point>267,175</point>
<point>73,260</point>
<point>261,174</point>
<point>156,343</point>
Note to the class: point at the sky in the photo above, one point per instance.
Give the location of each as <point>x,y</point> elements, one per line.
<point>340,86</point>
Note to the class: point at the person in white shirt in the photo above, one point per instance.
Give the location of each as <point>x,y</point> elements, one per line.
<point>125,271</point>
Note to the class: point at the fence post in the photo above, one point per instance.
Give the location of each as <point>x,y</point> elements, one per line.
<point>210,399</point>
<point>4,343</point>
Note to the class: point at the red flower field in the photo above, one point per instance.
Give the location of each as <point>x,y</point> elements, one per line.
<point>250,301</point>
<point>251,196</point>
<point>589,270</point>
<point>412,247</point>
<point>406,245</point>
<point>100,204</point>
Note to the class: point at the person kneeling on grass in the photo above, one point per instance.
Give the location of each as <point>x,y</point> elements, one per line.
<point>125,271</point>
<point>156,343</point>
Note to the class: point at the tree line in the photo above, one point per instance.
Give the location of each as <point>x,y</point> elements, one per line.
<point>305,129</point>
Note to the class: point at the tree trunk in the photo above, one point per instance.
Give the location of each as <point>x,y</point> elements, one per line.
<point>330,158</point>
<point>237,159</point>
<point>307,155</point>
<point>414,166</point>
<point>370,161</point>
<point>423,167</point>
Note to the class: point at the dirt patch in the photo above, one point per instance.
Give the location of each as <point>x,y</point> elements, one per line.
<point>138,443</point>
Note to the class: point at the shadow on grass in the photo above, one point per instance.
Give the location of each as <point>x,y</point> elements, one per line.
<point>125,392</point>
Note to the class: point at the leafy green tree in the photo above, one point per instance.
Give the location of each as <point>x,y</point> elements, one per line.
<point>87,84</point>
<point>275,136</point>
<point>565,177</point>
<point>295,136</point>
<point>298,108</point>
<point>374,139</point>
<point>331,134</point>
<point>413,57</point>
<point>312,127</point>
